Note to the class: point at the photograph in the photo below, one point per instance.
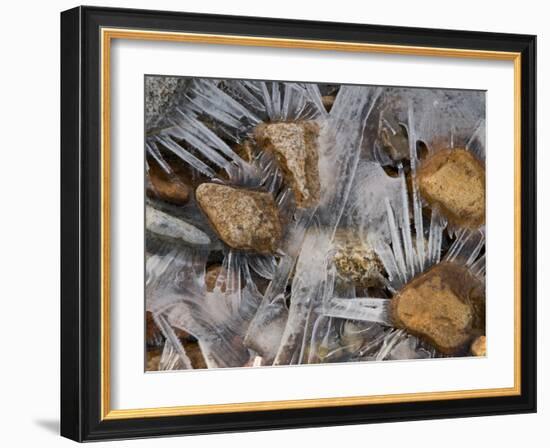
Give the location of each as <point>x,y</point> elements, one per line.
<point>294,223</point>
<point>275,223</point>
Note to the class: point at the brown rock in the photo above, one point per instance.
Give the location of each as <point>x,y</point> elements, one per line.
<point>444,306</point>
<point>167,187</point>
<point>479,346</point>
<point>294,146</point>
<point>244,219</point>
<point>454,181</point>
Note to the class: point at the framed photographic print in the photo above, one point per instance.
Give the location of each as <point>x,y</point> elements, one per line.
<point>275,224</point>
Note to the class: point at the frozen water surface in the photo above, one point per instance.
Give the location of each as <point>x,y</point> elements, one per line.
<point>292,306</point>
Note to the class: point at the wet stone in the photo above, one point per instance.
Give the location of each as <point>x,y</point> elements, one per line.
<point>244,219</point>
<point>444,306</point>
<point>166,187</point>
<point>294,145</point>
<point>454,181</point>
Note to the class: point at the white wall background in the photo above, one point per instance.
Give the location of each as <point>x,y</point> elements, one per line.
<point>29,223</point>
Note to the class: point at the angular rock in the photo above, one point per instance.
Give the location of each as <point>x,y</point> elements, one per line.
<point>479,346</point>
<point>444,306</point>
<point>168,226</point>
<point>166,187</point>
<point>244,219</point>
<point>454,181</point>
<point>294,145</point>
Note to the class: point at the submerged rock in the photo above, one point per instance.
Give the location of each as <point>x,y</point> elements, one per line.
<point>245,150</point>
<point>395,141</point>
<point>479,346</point>
<point>352,336</point>
<point>358,263</point>
<point>265,333</point>
<point>153,359</point>
<point>167,226</point>
<point>328,101</point>
<point>167,187</point>
<point>454,181</point>
<point>244,219</point>
<point>194,352</point>
<point>216,273</point>
<point>444,306</point>
<point>294,146</point>
<point>211,277</point>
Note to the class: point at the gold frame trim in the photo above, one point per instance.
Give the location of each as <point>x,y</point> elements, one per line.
<point>107,35</point>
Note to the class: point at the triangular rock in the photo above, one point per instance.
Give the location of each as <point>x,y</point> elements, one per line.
<point>294,145</point>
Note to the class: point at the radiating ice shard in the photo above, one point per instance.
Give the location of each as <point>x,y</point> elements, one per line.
<point>340,142</point>
<point>270,324</point>
<point>272,303</point>
<point>218,319</point>
<point>444,118</point>
<point>365,309</point>
<point>367,208</point>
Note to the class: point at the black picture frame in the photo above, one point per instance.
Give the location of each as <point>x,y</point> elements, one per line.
<point>81,224</point>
